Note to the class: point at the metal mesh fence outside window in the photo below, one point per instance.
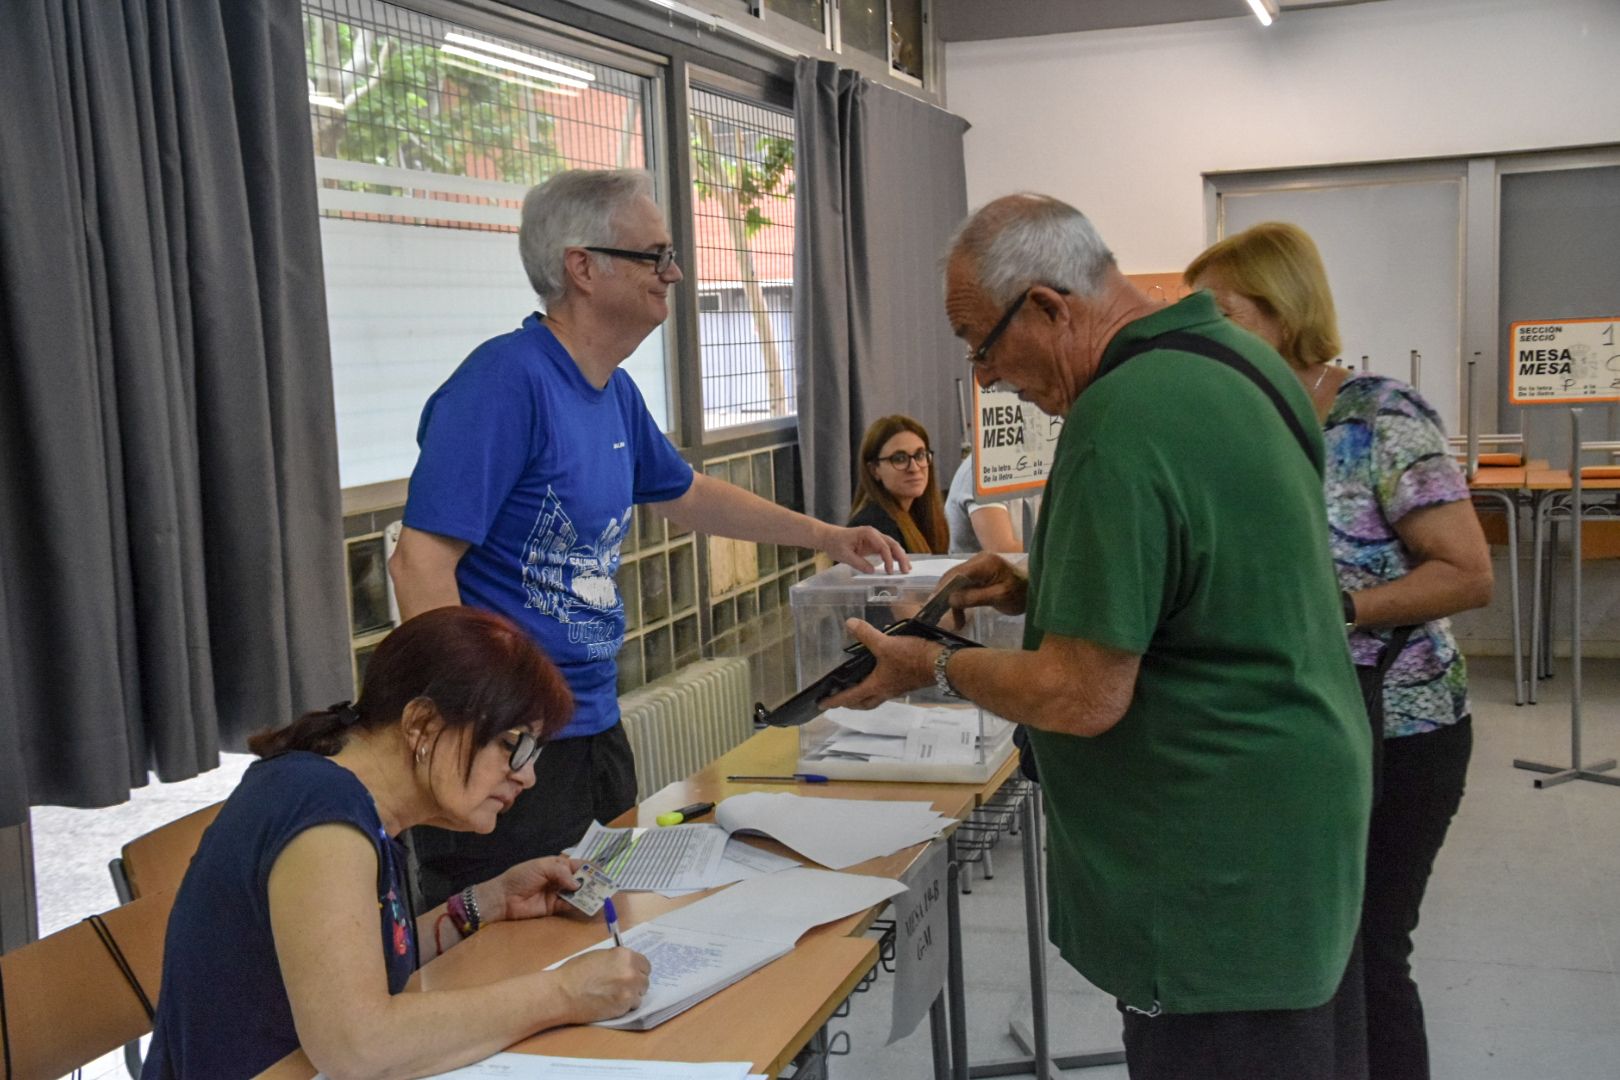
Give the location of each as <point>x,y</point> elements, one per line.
<point>742,205</point>
<point>397,91</point>
<point>427,136</point>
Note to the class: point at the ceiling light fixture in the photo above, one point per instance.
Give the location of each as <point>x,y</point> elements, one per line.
<point>1264,10</point>
<point>523,57</point>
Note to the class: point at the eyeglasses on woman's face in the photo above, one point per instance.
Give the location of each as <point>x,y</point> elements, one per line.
<point>524,746</point>
<point>662,257</point>
<point>904,461</point>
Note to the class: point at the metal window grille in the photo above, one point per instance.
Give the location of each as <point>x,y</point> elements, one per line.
<point>394,94</point>
<point>742,205</point>
<point>428,134</point>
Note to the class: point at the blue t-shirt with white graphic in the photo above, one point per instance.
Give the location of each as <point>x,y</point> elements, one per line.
<point>538,471</point>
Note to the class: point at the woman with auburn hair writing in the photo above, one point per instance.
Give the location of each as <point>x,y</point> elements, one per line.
<point>292,927</point>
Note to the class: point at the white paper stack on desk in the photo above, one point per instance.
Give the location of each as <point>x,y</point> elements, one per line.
<point>508,1066</point>
<point>836,833</point>
<point>698,950</point>
<point>676,859</point>
<point>897,731</point>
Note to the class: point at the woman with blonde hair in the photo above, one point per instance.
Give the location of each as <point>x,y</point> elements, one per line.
<point>896,493</point>
<point>1409,552</point>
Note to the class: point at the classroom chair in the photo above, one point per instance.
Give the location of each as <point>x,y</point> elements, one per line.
<point>69,998</point>
<point>156,861</point>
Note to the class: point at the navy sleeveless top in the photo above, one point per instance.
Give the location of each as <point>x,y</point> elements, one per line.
<point>222,1011</point>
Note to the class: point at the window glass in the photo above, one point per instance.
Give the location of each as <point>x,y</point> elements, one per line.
<point>427,136</point>
<point>906,36</point>
<point>742,202</point>
<point>812,13</point>
<point>864,25</point>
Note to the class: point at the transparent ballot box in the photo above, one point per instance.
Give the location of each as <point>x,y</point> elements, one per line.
<point>925,735</point>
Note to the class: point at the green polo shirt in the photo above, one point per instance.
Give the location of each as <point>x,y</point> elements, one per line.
<point>1206,853</point>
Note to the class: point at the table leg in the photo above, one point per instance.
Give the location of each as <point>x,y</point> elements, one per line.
<point>1510,504</point>
<point>955,981</point>
<point>1034,916</point>
<point>939,1032</point>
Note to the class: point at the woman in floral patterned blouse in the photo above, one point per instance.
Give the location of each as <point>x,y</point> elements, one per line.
<point>1409,551</point>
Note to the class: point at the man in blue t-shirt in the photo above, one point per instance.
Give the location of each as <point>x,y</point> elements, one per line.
<point>533,455</point>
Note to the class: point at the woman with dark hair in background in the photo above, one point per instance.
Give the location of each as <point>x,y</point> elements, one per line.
<point>1409,551</point>
<point>896,493</point>
<point>292,927</point>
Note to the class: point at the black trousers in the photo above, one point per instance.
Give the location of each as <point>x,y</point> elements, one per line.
<point>1423,784</point>
<point>1328,1042</point>
<point>575,781</point>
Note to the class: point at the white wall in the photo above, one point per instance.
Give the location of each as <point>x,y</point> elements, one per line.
<point>1122,123</point>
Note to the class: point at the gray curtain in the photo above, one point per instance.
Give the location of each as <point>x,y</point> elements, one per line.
<point>880,189</point>
<point>170,523</point>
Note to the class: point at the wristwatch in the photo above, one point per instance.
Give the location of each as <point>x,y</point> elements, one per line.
<point>941,680</point>
<point>1348,603</point>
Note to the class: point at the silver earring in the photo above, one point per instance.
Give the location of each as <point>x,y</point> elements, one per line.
<point>421,752</point>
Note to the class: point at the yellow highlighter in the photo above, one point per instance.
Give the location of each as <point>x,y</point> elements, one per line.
<point>685,813</point>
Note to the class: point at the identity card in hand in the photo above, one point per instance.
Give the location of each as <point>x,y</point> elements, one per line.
<point>594,887</point>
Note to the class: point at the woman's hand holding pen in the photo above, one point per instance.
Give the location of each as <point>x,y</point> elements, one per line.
<point>604,983</point>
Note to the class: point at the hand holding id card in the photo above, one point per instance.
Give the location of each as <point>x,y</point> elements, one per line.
<point>594,888</point>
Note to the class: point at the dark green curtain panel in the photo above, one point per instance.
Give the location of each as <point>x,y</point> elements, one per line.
<point>170,525</point>
<point>881,187</point>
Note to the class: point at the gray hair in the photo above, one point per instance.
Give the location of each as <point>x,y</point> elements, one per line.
<point>1023,240</point>
<point>575,208</point>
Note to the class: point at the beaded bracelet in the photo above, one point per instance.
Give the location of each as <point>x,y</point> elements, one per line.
<point>463,908</point>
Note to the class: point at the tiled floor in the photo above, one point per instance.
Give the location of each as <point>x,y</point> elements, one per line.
<point>1517,954</point>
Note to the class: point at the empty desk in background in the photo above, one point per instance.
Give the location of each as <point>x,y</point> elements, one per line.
<point>1501,487</point>
<point>1550,490</point>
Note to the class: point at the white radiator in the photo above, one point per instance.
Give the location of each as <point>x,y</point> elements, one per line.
<point>683,721</point>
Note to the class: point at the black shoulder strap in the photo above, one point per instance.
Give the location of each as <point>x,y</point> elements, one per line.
<point>1393,649</point>
<point>117,954</point>
<point>1182,341</point>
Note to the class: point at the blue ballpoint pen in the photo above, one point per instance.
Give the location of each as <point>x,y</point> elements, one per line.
<point>612,921</point>
<point>796,778</point>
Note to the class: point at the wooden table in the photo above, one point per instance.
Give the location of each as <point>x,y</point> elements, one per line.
<point>766,1018</point>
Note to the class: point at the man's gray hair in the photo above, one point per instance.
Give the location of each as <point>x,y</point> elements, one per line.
<point>576,208</point>
<point>1023,240</point>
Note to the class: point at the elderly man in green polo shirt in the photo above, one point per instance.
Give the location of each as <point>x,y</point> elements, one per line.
<point>1185,678</point>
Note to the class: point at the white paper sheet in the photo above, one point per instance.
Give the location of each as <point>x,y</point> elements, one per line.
<point>898,717</point>
<point>698,950</point>
<point>920,568</point>
<point>837,833</point>
<point>507,1066</point>
<point>741,862</point>
<point>670,857</point>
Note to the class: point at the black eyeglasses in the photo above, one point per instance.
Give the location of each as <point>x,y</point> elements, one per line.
<point>525,745</point>
<point>981,355</point>
<point>662,258</point>
<point>902,460</point>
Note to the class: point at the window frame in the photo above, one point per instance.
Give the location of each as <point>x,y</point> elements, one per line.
<point>775,94</point>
